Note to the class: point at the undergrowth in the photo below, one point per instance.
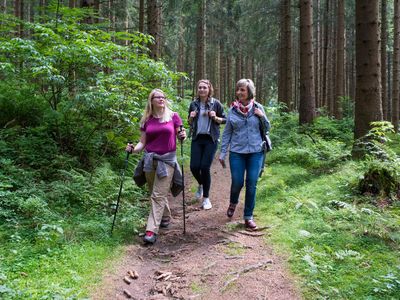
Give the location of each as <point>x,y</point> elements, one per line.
<point>341,243</point>
<point>55,232</point>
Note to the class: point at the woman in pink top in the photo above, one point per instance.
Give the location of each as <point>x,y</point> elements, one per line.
<point>160,128</point>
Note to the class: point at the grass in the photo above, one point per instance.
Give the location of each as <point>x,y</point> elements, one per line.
<point>341,246</point>
<point>69,272</point>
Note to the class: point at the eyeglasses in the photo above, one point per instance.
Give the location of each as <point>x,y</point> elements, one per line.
<point>158,97</point>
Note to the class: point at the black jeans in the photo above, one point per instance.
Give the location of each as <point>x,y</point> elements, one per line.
<point>201,157</point>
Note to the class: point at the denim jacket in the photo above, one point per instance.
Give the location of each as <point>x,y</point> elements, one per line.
<point>242,133</point>
<point>212,104</point>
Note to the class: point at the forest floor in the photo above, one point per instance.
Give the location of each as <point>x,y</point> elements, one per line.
<point>215,259</point>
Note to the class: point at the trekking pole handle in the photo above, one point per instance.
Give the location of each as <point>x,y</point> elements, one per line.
<point>130,143</point>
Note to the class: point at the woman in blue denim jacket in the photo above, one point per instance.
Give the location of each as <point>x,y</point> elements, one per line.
<point>243,138</point>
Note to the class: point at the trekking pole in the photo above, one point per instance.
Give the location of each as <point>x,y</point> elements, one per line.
<point>120,187</point>
<point>183,183</point>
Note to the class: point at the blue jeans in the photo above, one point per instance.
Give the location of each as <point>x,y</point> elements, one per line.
<point>239,163</point>
<point>201,157</point>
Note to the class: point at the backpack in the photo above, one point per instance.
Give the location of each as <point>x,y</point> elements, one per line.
<point>267,144</point>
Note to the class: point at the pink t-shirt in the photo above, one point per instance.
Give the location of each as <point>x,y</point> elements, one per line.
<point>161,137</point>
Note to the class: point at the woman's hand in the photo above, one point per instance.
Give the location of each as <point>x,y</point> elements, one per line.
<point>130,148</point>
<point>258,112</point>
<point>212,115</point>
<point>182,134</point>
<point>222,162</point>
<point>193,114</point>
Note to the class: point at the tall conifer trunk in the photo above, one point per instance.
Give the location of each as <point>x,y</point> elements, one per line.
<point>307,98</point>
<point>396,66</point>
<point>339,60</point>
<point>385,104</point>
<point>368,63</point>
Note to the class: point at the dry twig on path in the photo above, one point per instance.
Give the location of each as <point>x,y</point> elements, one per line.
<point>244,270</point>
<point>251,233</point>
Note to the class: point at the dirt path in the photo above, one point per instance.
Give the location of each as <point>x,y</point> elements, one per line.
<point>214,260</point>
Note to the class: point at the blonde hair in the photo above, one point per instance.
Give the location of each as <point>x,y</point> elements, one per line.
<point>251,89</point>
<point>148,111</point>
<point>208,83</point>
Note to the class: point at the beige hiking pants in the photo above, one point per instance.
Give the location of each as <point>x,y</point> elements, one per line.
<point>159,189</point>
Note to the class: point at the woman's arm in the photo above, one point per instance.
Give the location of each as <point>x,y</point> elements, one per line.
<point>226,138</point>
<point>192,113</point>
<point>139,146</point>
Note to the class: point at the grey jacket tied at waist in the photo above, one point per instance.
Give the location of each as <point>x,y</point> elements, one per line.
<point>146,164</point>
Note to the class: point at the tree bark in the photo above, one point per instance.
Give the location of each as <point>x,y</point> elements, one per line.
<point>201,42</point>
<point>368,63</point>
<point>3,6</point>
<point>339,60</point>
<point>307,97</point>
<point>396,66</point>
<point>285,95</point>
<point>141,16</point>
<point>222,72</point>
<point>153,27</point>
<point>385,104</point>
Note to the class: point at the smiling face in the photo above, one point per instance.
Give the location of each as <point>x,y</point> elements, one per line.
<point>242,93</point>
<point>203,90</point>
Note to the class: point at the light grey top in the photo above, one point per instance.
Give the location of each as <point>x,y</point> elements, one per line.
<point>203,121</point>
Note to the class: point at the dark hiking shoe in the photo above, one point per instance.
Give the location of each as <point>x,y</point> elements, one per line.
<point>231,210</point>
<point>250,225</point>
<point>149,237</point>
<point>165,222</point>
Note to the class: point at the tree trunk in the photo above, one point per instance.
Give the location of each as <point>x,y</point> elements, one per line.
<point>180,64</point>
<point>71,3</point>
<point>201,42</point>
<point>307,98</point>
<point>324,75</point>
<point>339,61</point>
<point>396,67</point>
<point>317,60</point>
<point>368,63</point>
<point>153,27</point>
<point>3,6</point>
<point>286,57</point>
<point>141,16</point>
<point>222,72</point>
<point>385,104</point>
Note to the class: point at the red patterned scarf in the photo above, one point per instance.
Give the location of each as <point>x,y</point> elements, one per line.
<point>244,109</point>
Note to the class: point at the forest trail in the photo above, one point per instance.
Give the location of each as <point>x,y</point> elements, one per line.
<point>215,259</point>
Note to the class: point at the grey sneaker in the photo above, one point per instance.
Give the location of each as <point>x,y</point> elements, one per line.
<point>199,193</point>
<point>207,204</point>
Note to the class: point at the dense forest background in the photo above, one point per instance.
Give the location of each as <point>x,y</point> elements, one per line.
<point>74,79</point>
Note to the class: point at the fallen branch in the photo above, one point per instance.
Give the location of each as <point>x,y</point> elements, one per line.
<point>234,257</point>
<point>244,270</point>
<point>227,232</point>
<point>228,282</point>
<point>253,267</point>
<point>251,233</point>
<point>164,275</point>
